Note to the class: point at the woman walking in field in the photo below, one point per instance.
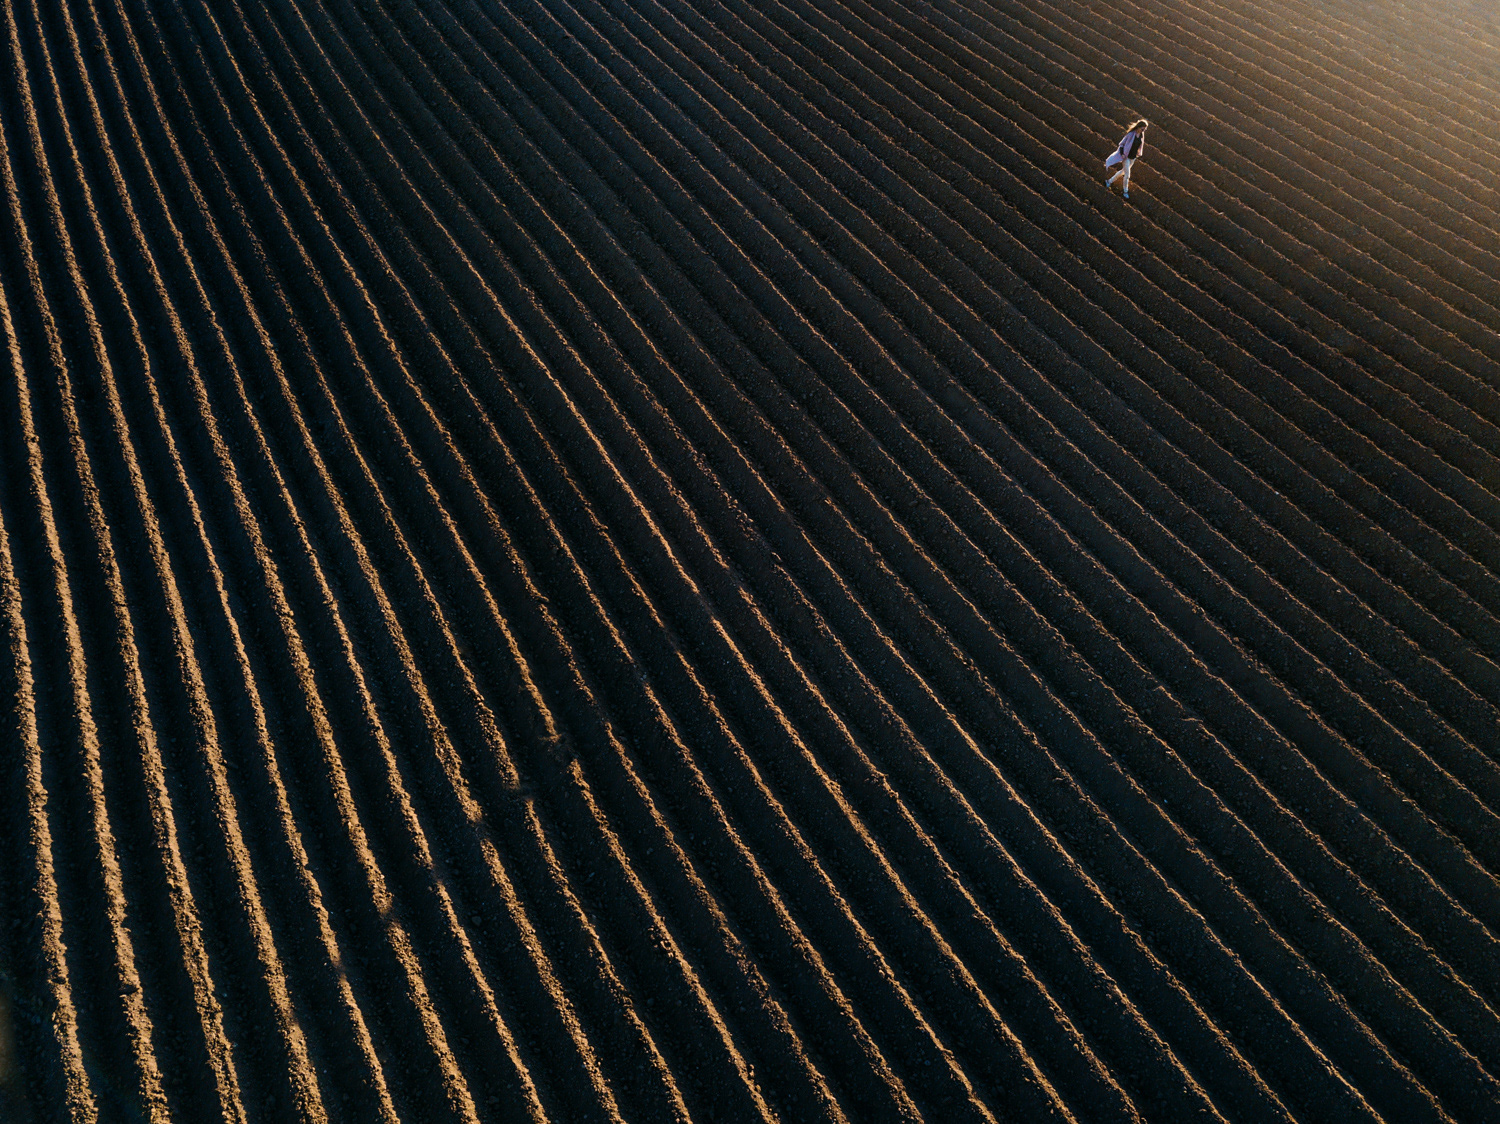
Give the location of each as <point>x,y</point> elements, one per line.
<point>1132,144</point>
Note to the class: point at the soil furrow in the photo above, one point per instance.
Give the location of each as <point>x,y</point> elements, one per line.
<point>58,1075</point>
<point>1291,409</point>
<point>576,560</point>
<point>1010,327</point>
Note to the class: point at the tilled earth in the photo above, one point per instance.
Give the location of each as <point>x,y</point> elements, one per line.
<point>669,560</point>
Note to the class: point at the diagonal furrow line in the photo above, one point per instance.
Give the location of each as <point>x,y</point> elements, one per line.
<point>75,1093</point>
<point>578,559</point>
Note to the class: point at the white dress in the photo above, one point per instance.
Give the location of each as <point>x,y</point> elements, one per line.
<point>1118,155</point>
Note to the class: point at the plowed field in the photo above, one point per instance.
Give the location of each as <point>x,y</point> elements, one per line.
<point>670,560</point>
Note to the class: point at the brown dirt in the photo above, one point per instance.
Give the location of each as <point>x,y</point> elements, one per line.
<point>686,560</point>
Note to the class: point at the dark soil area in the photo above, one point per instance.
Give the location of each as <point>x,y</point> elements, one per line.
<point>690,560</point>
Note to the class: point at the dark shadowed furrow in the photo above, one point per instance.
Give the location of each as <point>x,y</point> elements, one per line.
<point>688,560</point>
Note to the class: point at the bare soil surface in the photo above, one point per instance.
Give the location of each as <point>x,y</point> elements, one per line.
<point>669,560</point>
